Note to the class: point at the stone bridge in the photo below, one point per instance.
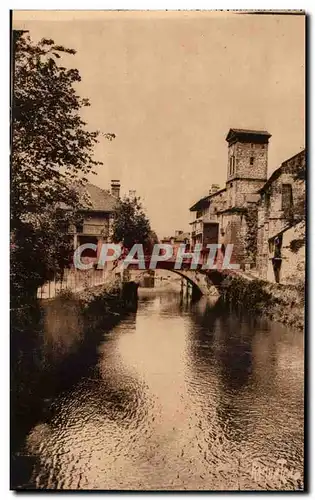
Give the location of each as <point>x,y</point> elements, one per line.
<point>206,281</point>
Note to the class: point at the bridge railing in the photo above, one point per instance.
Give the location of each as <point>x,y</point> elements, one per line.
<point>186,262</point>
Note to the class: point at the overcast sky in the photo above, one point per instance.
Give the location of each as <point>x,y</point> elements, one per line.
<point>170,85</point>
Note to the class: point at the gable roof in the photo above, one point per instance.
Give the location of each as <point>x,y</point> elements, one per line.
<point>93,198</point>
<point>200,204</point>
<point>182,237</point>
<point>205,201</point>
<point>179,238</point>
<point>100,199</point>
<point>290,165</point>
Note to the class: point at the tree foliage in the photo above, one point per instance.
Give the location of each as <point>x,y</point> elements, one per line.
<point>131,225</point>
<point>151,240</point>
<point>51,145</point>
<point>251,217</point>
<point>40,250</point>
<point>51,154</point>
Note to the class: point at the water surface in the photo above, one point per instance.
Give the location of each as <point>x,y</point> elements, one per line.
<point>182,397</point>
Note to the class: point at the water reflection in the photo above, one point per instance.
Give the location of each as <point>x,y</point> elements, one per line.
<point>183,396</point>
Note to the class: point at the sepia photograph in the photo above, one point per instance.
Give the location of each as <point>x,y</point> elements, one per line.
<point>157,250</point>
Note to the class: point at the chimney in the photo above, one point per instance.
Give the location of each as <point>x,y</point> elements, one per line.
<point>115,188</point>
<point>214,188</point>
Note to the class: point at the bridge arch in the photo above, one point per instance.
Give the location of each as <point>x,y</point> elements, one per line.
<point>199,281</point>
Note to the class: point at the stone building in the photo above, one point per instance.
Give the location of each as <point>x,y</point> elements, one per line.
<point>251,210</point>
<point>222,216</point>
<point>97,215</point>
<point>205,226</point>
<point>94,227</point>
<point>178,238</point>
<point>281,222</point>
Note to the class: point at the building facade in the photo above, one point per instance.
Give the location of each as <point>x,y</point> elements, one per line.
<point>281,221</point>
<point>251,210</point>
<point>96,217</point>
<point>178,239</point>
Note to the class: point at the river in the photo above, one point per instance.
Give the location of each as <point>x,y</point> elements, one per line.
<point>182,396</point>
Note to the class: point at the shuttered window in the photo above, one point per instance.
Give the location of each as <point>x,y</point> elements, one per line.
<point>287,200</point>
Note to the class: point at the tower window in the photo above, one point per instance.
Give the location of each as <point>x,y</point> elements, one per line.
<point>251,160</point>
<point>232,165</point>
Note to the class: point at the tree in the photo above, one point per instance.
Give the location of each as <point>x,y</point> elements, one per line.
<point>51,154</point>
<point>130,224</point>
<point>40,250</point>
<point>151,240</point>
<point>51,146</point>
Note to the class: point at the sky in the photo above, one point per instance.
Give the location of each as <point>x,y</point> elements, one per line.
<point>170,85</point>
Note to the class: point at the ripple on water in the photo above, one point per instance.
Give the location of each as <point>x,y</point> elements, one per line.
<point>180,398</point>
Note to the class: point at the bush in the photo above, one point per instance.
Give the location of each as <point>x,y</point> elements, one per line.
<point>242,293</point>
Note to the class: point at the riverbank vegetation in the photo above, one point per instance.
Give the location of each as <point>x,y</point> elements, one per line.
<point>49,331</point>
<point>283,303</point>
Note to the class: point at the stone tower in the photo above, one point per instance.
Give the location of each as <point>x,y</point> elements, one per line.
<point>247,164</point>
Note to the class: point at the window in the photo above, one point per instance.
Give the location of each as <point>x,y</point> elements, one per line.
<point>267,201</point>
<point>277,246</point>
<point>79,227</point>
<point>251,160</point>
<point>65,226</point>
<point>232,165</point>
<point>287,200</point>
<point>262,146</point>
<point>252,145</point>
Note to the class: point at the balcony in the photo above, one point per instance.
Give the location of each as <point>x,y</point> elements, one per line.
<point>210,219</point>
<point>93,229</point>
<point>197,227</point>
